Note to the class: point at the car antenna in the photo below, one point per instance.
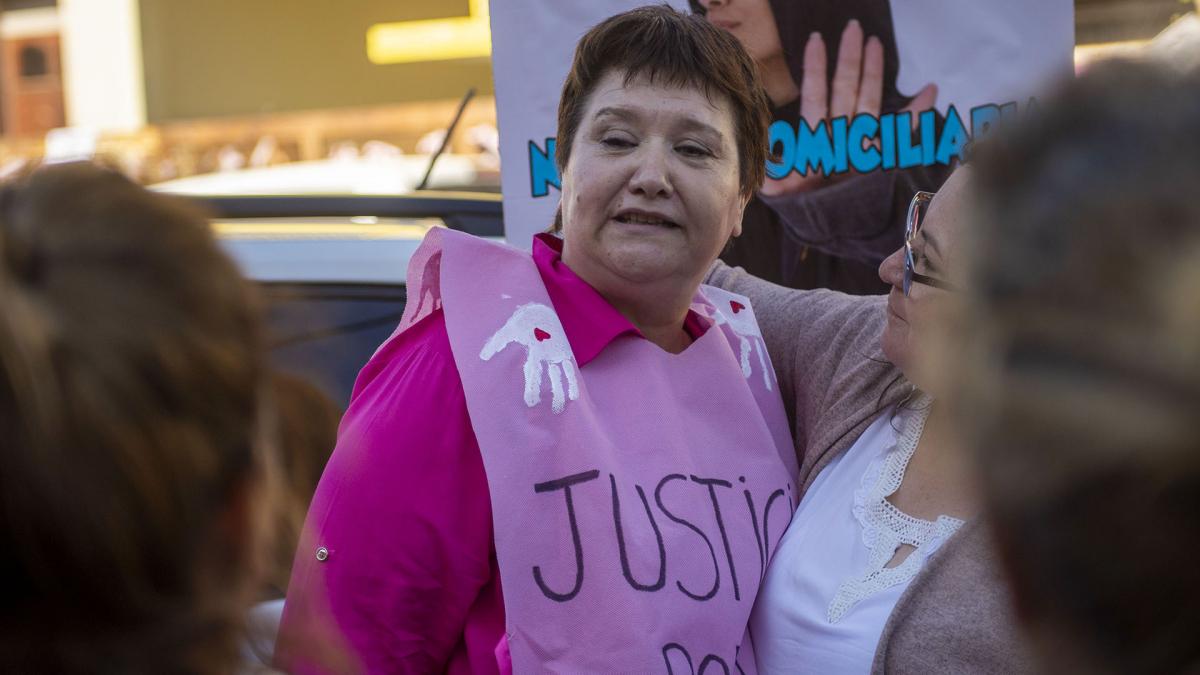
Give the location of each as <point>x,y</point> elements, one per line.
<point>462,105</point>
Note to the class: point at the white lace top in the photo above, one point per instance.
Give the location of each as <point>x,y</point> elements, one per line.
<point>828,591</point>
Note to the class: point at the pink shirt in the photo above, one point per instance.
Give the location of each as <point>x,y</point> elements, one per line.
<point>411,579</point>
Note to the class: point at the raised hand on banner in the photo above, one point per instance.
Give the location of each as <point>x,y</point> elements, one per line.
<point>857,88</point>
<point>740,319</point>
<point>536,328</point>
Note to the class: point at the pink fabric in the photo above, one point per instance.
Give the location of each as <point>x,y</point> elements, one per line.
<point>411,582</point>
<point>597,579</point>
<point>589,321</point>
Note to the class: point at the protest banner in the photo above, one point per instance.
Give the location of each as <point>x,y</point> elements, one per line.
<point>986,59</point>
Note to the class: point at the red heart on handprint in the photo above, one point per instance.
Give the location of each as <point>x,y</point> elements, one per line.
<point>736,306</point>
<point>540,334</point>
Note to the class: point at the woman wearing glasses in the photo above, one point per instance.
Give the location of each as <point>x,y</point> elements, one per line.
<point>883,567</point>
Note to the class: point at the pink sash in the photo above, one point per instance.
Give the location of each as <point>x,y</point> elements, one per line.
<point>637,500</point>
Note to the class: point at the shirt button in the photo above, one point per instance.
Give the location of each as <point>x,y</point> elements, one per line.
<point>322,554</point>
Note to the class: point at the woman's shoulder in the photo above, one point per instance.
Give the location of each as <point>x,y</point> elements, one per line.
<point>407,418</point>
<point>805,319</point>
<point>410,389</point>
<point>767,293</point>
<point>421,350</point>
<point>961,597</point>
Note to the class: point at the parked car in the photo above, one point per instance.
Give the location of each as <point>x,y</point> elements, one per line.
<point>349,176</point>
<point>332,268</point>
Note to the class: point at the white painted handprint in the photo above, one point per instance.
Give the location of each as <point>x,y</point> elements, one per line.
<point>536,328</point>
<point>740,318</point>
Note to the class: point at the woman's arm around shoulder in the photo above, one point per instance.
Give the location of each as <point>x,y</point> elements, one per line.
<point>815,338</point>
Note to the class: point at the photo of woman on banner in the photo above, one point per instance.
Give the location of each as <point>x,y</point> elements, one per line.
<point>575,459</point>
<point>821,60</point>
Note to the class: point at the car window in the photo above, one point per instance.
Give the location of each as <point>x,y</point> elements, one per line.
<point>334,285</point>
<point>325,333</point>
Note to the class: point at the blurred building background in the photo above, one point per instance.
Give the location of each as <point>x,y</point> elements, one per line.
<point>175,88</point>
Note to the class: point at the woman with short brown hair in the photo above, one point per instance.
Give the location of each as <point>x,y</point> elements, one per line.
<point>583,426</point>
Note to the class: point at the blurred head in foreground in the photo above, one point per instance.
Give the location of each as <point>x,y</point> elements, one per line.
<point>132,474</point>
<point>1081,380</point>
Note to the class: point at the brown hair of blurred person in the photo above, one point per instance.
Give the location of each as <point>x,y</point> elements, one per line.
<point>308,422</point>
<point>676,49</point>
<point>134,468</point>
<point>1082,373</point>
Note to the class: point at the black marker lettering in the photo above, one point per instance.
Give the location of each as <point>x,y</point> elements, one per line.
<point>565,484</point>
<point>711,551</point>
<point>678,647</point>
<point>767,514</point>
<point>711,659</point>
<point>762,545</point>
<point>662,551</point>
<point>712,493</point>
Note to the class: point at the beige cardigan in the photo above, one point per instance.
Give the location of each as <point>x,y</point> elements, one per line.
<point>955,616</point>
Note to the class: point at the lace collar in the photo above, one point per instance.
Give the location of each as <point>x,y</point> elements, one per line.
<point>884,527</point>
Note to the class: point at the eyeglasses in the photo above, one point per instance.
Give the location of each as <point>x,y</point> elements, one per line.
<point>916,208</point>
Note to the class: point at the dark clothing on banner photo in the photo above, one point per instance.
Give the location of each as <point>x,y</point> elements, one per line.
<point>834,237</point>
<point>765,252</point>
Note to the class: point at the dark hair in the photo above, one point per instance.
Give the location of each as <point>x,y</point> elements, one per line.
<point>796,20</point>
<point>1081,379</point>
<point>675,49</point>
<point>307,433</point>
<point>131,367</point>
